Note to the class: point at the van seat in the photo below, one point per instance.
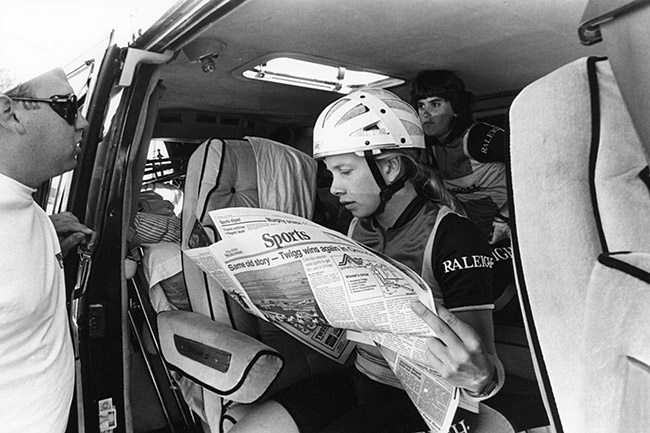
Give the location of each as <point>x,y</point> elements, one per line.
<point>254,172</point>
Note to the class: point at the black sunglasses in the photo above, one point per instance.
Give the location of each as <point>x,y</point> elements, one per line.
<point>66,106</point>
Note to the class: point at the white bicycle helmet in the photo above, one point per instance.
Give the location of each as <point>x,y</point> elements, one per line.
<point>367,120</point>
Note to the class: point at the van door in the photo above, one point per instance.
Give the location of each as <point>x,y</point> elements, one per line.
<point>100,196</point>
<point>121,107</point>
<point>87,311</point>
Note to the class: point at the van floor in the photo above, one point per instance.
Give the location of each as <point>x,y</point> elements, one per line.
<point>145,406</point>
<point>146,409</point>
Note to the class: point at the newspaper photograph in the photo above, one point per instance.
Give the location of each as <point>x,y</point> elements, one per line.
<point>315,283</point>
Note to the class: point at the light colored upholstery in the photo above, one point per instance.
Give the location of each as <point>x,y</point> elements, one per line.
<point>556,234</point>
<point>254,172</point>
<point>227,362</point>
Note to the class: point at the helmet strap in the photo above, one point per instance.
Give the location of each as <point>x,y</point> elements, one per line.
<point>386,191</point>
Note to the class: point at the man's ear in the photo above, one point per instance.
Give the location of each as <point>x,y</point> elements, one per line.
<point>8,118</point>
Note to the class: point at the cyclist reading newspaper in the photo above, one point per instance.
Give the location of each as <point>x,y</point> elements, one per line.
<point>370,141</point>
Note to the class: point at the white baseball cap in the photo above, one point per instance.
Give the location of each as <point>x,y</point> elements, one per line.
<point>22,58</point>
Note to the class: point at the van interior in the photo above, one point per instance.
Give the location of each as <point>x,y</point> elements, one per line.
<point>208,75</point>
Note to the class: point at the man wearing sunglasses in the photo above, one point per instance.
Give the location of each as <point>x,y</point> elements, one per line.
<point>40,128</point>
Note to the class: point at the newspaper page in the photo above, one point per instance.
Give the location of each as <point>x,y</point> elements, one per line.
<point>237,220</point>
<point>325,339</point>
<point>432,397</point>
<point>353,287</point>
<point>303,277</point>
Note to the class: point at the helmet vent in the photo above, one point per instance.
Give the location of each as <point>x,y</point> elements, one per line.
<point>364,120</point>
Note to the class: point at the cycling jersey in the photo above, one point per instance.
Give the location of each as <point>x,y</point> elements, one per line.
<point>460,265</point>
<point>472,165</point>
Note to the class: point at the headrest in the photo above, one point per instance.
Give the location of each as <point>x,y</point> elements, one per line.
<point>235,181</point>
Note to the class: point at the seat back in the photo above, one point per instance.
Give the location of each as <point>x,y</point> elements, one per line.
<point>576,193</point>
<point>254,172</point>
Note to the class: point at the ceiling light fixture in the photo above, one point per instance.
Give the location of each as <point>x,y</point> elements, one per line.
<point>315,75</point>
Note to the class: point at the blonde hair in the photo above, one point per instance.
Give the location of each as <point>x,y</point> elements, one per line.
<point>424,178</point>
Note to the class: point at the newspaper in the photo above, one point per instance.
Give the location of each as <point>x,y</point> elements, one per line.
<point>314,283</point>
<point>267,300</point>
